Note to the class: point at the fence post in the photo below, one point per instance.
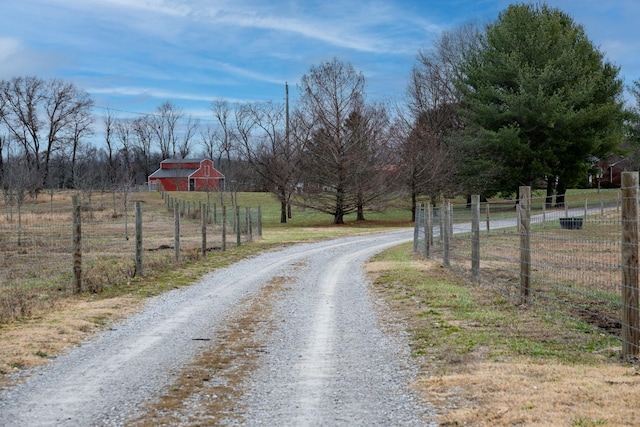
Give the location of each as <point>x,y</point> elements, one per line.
<point>586,209</point>
<point>224,228</point>
<point>138,238</point>
<point>475,237</point>
<point>488,219</point>
<point>450,220</point>
<point>524,228</point>
<point>203,222</point>
<point>77,246</point>
<point>249,228</point>
<point>260,222</point>
<point>428,213</point>
<point>427,228</point>
<point>630,321</point>
<point>238,228</point>
<point>176,231</point>
<point>447,223</point>
<point>416,227</point>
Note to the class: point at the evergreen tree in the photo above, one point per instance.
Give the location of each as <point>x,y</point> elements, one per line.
<point>540,99</point>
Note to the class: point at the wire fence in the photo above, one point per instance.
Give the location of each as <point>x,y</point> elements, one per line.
<point>570,260</point>
<point>42,258</point>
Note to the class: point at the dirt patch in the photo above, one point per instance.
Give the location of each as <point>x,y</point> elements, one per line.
<point>37,340</point>
<point>206,391</point>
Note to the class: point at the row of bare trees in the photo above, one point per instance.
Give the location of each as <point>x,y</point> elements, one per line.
<point>333,150</point>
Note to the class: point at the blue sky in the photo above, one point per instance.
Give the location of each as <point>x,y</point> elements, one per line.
<point>132,55</point>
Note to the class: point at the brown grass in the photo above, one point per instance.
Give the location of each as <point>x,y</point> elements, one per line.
<point>531,393</point>
<point>494,386</point>
<point>36,340</point>
<point>195,398</point>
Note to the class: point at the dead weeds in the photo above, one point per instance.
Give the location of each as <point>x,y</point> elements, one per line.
<point>493,385</point>
<point>35,340</point>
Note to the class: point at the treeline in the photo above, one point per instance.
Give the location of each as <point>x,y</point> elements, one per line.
<point>526,100</point>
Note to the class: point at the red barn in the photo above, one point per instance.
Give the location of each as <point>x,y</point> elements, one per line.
<point>186,175</point>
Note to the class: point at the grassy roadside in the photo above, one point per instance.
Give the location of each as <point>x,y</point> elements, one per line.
<point>52,328</point>
<point>485,362</point>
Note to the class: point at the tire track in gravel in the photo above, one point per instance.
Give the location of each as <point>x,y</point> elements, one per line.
<point>107,381</point>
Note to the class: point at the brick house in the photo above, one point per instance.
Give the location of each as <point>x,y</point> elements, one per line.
<point>186,175</point>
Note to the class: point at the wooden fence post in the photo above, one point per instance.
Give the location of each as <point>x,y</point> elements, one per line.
<point>238,227</point>
<point>224,228</point>
<point>176,231</point>
<point>429,213</point>
<point>138,238</point>
<point>416,227</point>
<point>77,246</point>
<point>428,229</point>
<point>203,222</point>
<point>260,222</point>
<point>475,237</point>
<point>488,219</point>
<point>630,321</point>
<point>249,227</point>
<point>524,229</point>
<point>447,225</point>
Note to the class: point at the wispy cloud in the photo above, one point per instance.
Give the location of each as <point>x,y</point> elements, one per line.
<point>18,59</point>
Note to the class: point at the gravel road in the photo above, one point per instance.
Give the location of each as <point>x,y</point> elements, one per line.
<point>327,361</point>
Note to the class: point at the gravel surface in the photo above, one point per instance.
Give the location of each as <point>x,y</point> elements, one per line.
<point>328,361</point>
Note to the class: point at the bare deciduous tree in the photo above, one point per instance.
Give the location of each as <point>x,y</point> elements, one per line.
<point>269,150</point>
<point>424,132</point>
<point>42,117</point>
<point>341,127</point>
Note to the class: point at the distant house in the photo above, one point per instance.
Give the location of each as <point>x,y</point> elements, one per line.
<point>608,172</point>
<point>186,175</point>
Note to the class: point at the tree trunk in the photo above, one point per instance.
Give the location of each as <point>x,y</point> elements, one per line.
<point>283,212</point>
<point>561,190</point>
<point>413,206</point>
<point>551,181</point>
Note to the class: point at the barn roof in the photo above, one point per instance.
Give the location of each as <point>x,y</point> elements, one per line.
<point>182,160</point>
<point>173,173</point>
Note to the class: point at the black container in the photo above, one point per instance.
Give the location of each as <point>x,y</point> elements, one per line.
<point>571,223</point>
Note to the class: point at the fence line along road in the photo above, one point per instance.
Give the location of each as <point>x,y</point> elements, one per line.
<point>579,261</point>
<point>50,250</point>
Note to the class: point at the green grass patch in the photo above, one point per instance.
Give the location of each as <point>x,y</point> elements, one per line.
<point>449,318</point>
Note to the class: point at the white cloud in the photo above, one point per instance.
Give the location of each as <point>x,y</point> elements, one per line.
<point>18,59</point>
<point>147,92</point>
